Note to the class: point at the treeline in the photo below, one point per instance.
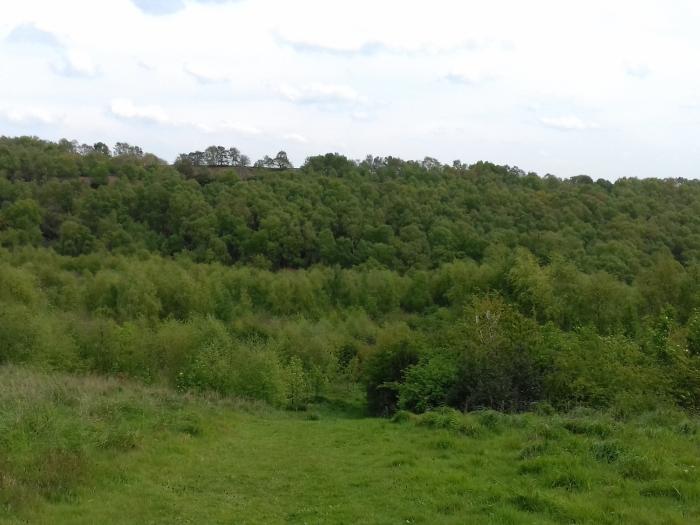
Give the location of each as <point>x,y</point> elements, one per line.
<point>469,286</point>
<point>221,157</point>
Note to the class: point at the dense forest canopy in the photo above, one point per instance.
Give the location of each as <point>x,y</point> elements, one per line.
<point>382,212</point>
<point>468,285</point>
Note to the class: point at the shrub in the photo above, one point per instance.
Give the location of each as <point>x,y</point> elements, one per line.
<point>250,371</point>
<point>428,384</point>
<point>18,285</point>
<point>445,418</point>
<point>396,350</point>
<point>503,362</point>
<point>17,333</point>
<point>401,416</point>
<point>449,419</point>
<point>299,391</point>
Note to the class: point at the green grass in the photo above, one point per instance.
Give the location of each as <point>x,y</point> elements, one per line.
<point>91,450</point>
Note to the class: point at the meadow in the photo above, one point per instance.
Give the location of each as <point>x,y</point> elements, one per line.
<point>102,450</point>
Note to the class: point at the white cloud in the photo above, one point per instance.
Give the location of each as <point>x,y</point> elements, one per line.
<point>369,48</point>
<point>296,137</point>
<point>204,76</point>
<point>29,33</point>
<point>321,94</point>
<point>66,61</point>
<point>159,7</point>
<point>73,63</point>
<point>169,7</point>
<point>27,116</point>
<point>359,49</point>
<point>567,123</point>
<point>126,109</point>
<point>239,128</point>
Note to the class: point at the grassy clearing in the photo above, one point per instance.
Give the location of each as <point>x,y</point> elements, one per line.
<point>92,450</point>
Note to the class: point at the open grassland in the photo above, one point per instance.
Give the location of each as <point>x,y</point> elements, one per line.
<point>92,450</point>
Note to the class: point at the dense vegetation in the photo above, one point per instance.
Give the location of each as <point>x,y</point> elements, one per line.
<point>571,305</point>
<point>468,286</point>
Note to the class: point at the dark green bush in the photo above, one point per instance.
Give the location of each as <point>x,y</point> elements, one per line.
<point>396,350</point>
<point>428,384</point>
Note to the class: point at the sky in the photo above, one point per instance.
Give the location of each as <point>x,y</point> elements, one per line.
<point>607,89</point>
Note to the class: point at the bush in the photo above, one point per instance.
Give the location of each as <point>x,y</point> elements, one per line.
<point>18,285</point>
<point>444,418</point>
<point>449,419</point>
<point>396,350</point>
<point>428,384</point>
<point>248,371</point>
<point>17,334</point>
<point>596,371</point>
<point>299,391</point>
<point>503,363</point>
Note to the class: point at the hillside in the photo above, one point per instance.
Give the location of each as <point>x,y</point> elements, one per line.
<point>309,345</point>
<point>383,212</point>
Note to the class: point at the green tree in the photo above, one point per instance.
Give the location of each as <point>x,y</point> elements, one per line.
<point>75,239</point>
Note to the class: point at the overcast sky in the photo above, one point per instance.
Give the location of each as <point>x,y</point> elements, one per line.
<point>609,89</point>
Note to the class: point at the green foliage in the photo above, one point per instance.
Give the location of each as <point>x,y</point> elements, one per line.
<point>593,370</point>
<point>236,370</point>
<point>20,223</point>
<point>299,391</point>
<point>693,337</point>
<point>466,286</point>
<point>386,211</point>
<point>428,384</point>
<point>75,239</point>
<point>503,361</point>
<point>396,350</point>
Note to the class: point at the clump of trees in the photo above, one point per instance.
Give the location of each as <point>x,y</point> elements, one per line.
<point>279,161</point>
<point>213,157</point>
<point>221,157</point>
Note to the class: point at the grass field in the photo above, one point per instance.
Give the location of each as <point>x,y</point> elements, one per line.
<point>91,450</point>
